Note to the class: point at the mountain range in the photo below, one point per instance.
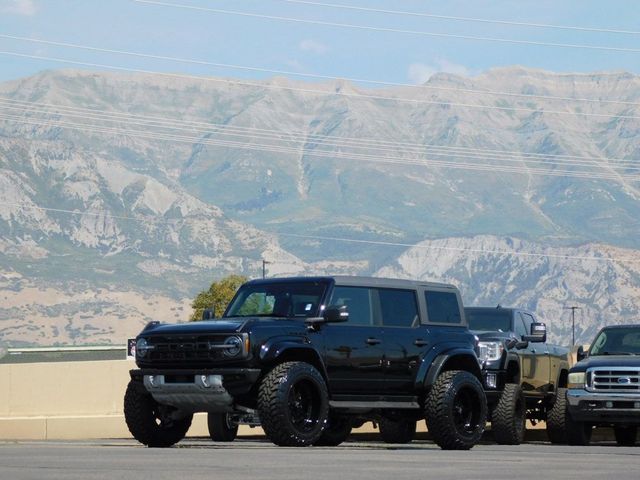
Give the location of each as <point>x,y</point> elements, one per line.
<point>121,196</point>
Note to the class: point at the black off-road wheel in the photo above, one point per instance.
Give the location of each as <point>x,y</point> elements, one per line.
<point>400,430</point>
<point>456,410</point>
<point>337,430</point>
<point>556,416</point>
<point>149,422</point>
<point>293,404</point>
<point>509,416</point>
<point>221,428</point>
<point>625,436</point>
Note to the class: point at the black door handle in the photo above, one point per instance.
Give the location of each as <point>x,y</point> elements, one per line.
<point>373,341</point>
<point>421,343</point>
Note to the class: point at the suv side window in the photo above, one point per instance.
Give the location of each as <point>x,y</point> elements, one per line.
<point>399,307</point>
<point>359,304</point>
<point>520,327</point>
<point>442,307</point>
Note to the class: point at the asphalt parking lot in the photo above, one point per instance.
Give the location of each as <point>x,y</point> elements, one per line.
<point>201,458</point>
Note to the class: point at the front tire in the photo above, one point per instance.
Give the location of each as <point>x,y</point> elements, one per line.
<point>293,404</point>
<point>625,436</point>
<point>456,410</point>
<point>509,416</point>
<point>221,428</point>
<point>397,431</point>
<point>149,422</point>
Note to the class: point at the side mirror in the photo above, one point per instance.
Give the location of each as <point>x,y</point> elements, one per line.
<point>580,353</point>
<point>538,333</point>
<point>209,313</point>
<point>335,314</point>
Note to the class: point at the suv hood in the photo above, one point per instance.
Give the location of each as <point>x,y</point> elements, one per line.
<point>607,361</point>
<point>197,328</point>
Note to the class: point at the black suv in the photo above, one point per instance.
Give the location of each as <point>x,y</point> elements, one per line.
<point>604,387</point>
<point>307,358</point>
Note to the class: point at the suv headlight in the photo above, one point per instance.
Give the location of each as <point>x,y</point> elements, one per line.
<point>143,347</point>
<point>576,380</point>
<point>234,346</point>
<point>490,351</point>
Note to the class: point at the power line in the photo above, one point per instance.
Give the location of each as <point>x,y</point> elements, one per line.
<point>303,135</point>
<point>463,19</point>
<point>321,92</point>
<point>388,30</point>
<point>332,155</point>
<point>351,240</point>
<point>308,75</point>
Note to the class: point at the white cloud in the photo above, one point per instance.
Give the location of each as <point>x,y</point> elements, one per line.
<point>313,47</point>
<point>18,7</point>
<point>419,73</point>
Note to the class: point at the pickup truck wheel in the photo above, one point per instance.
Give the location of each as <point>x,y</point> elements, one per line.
<point>625,436</point>
<point>293,404</point>
<point>456,410</point>
<point>337,431</point>
<point>397,431</point>
<point>556,427</point>
<point>149,422</point>
<point>509,416</point>
<point>221,428</point>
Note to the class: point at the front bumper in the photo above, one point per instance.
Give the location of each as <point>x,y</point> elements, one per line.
<point>603,408</point>
<point>210,390</point>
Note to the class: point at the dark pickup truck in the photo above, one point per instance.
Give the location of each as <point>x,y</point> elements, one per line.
<point>522,374</point>
<point>308,358</point>
<point>604,387</point>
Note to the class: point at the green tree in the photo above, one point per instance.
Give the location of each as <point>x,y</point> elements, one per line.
<point>217,296</point>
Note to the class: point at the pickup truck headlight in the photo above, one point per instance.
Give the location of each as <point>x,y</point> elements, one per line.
<point>490,351</point>
<point>576,380</point>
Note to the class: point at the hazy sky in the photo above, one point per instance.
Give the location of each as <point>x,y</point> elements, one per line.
<point>320,49</point>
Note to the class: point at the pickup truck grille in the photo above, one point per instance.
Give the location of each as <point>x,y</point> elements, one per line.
<point>186,350</point>
<point>621,379</point>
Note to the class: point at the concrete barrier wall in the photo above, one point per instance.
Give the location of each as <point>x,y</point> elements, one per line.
<point>70,400</point>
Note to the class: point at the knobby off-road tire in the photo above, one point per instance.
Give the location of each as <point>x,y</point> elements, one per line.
<point>625,436</point>
<point>337,430</point>
<point>221,429</point>
<point>456,410</point>
<point>397,431</point>
<point>293,404</point>
<point>151,423</point>
<point>509,416</point>
<point>556,418</point>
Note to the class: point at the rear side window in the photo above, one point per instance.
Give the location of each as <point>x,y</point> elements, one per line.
<point>399,308</point>
<point>358,302</point>
<point>442,307</point>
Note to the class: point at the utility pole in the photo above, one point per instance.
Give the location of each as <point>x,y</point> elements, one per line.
<point>264,268</point>
<point>573,323</point>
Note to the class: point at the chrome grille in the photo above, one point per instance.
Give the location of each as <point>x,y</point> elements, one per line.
<point>620,379</point>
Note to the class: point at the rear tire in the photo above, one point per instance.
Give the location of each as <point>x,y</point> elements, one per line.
<point>337,431</point>
<point>556,425</point>
<point>397,431</point>
<point>456,410</point>
<point>221,429</point>
<point>293,404</point>
<point>625,436</point>
<point>149,422</point>
<point>509,416</point>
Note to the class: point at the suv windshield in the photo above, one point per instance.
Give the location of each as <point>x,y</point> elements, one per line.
<point>482,320</point>
<point>286,299</point>
<point>617,341</point>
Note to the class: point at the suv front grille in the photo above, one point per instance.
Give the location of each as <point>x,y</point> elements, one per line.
<point>184,349</point>
<point>620,379</point>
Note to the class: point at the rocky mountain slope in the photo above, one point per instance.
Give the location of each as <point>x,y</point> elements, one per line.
<point>148,187</point>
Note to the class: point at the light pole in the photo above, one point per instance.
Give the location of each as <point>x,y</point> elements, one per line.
<point>573,323</point>
<point>264,268</point>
